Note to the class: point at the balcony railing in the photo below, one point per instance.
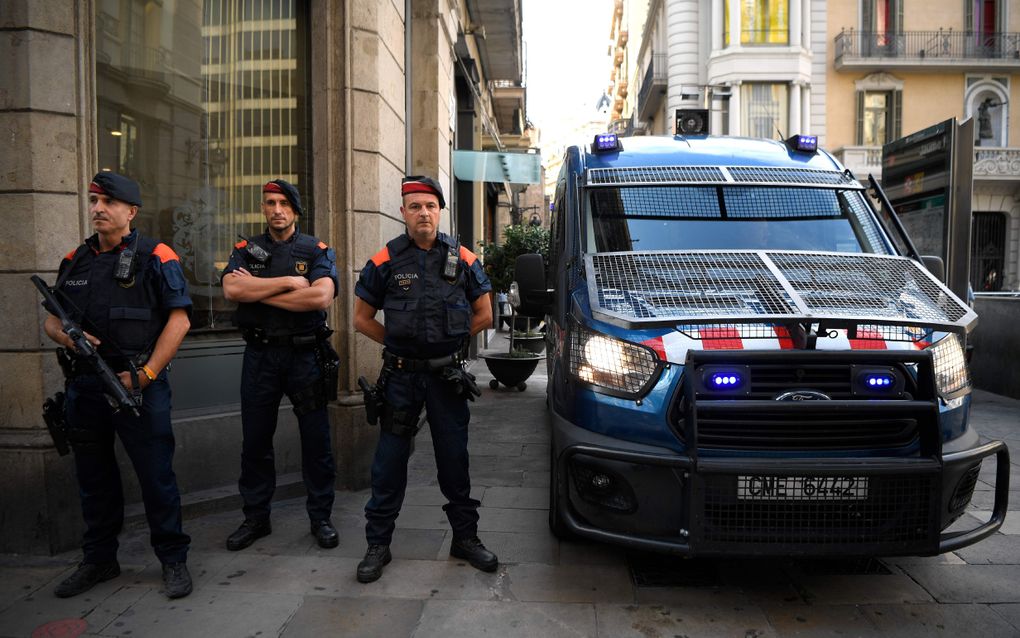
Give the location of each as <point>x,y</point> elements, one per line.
<point>652,86</point>
<point>997,162</point>
<point>941,45</point>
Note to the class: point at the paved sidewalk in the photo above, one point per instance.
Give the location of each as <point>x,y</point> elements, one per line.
<point>284,585</point>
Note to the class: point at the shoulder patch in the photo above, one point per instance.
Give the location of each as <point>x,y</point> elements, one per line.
<point>467,256</point>
<point>381,257</point>
<point>70,255</point>
<point>322,245</point>
<point>165,253</point>
<point>241,244</point>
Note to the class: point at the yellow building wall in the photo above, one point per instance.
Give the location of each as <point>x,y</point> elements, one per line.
<point>929,97</point>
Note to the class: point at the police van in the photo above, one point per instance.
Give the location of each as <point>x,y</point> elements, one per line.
<point>745,358</point>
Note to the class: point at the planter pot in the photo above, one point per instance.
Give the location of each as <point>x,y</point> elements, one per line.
<point>521,323</point>
<point>534,344</point>
<point>510,371</point>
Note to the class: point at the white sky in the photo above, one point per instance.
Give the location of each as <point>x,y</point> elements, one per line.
<point>567,63</point>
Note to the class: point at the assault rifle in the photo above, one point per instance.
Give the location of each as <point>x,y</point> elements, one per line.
<point>117,394</point>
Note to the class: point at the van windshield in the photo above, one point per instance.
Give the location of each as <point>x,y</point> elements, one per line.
<point>641,218</point>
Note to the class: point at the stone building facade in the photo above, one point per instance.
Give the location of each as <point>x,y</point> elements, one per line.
<point>201,101</point>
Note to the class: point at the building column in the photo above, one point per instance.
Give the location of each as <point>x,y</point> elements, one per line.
<point>795,110</point>
<point>795,17</point>
<point>805,110</point>
<point>717,25</point>
<point>44,181</point>
<point>734,23</point>
<point>805,25</point>
<point>735,128</point>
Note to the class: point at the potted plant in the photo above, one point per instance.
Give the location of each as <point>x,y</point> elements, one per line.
<point>512,368</point>
<point>530,338</point>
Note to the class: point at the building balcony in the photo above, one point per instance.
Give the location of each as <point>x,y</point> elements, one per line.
<point>653,87</point>
<point>508,104</point>
<point>927,51</point>
<point>990,164</point>
<point>861,160</point>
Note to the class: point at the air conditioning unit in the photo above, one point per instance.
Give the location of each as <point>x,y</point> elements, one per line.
<point>692,121</point>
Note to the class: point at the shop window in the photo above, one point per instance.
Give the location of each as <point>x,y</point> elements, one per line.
<point>988,251</point>
<point>879,116</point>
<point>203,102</point>
<point>765,109</point>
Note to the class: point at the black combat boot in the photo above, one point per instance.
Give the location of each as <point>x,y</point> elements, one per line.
<point>87,576</point>
<point>176,580</point>
<point>370,568</point>
<point>249,532</point>
<point>325,534</point>
<point>472,550</point>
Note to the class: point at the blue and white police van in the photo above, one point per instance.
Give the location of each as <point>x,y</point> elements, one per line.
<point>743,361</point>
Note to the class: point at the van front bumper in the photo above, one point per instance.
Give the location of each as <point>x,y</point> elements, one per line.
<point>655,499</point>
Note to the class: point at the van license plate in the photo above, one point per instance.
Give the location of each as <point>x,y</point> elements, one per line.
<point>802,488</point>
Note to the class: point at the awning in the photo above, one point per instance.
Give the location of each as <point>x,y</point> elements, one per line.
<point>492,166</point>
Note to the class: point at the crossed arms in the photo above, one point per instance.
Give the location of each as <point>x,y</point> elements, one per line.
<point>294,294</point>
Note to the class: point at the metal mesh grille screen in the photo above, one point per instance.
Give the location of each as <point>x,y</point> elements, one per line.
<point>778,203</point>
<point>855,202</point>
<point>718,175</point>
<point>774,175</point>
<point>649,202</point>
<point>684,285</point>
<point>656,175</point>
<point>860,286</point>
<point>681,286</point>
<point>895,511</point>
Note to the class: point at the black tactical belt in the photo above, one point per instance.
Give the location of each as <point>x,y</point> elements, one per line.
<point>260,338</point>
<point>407,364</point>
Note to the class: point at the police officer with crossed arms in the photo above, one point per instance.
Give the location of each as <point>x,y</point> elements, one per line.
<point>434,296</point>
<point>283,281</point>
<point>129,295</point>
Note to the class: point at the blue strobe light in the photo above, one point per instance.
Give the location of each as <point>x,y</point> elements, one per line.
<point>606,142</point>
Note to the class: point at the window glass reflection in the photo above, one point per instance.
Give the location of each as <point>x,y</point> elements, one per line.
<point>202,102</point>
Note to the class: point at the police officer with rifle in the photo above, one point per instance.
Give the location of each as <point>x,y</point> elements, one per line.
<point>283,281</point>
<point>120,309</point>
<point>435,296</point>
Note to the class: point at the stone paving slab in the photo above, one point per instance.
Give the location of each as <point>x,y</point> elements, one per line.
<point>299,575</point>
<point>522,547</point>
<point>1010,613</point>
<point>643,621</point>
<point>365,618</point>
<point>208,612</point>
<point>863,589</point>
<point>511,520</point>
<point>447,579</point>
<point>19,582</point>
<point>534,498</point>
<point>98,607</point>
<point>818,620</point>
<point>997,549</point>
<point>969,583</point>
<point>570,583</point>
<point>507,619</point>
<point>922,621</point>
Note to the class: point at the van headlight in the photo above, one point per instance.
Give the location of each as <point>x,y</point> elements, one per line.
<point>952,375</point>
<point>612,366</point>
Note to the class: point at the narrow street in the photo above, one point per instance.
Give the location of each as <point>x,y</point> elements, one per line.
<point>284,585</point>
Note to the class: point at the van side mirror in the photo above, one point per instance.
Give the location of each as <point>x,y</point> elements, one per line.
<point>529,273</point>
<point>935,266</point>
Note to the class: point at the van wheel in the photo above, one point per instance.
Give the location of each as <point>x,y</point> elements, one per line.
<point>522,386</point>
<point>494,384</point>
<point>556,525</point>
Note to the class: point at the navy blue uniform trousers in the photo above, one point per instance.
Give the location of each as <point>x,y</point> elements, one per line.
<point>268,373</point>
<point>149,443</point>
<point>447,414</point>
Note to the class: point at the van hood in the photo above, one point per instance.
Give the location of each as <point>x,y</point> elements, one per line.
<point>636,290</point>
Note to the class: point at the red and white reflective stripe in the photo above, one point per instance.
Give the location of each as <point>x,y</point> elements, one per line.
<point>673,346</point>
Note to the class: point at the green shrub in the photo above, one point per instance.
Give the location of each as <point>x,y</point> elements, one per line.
<point>518,240</point>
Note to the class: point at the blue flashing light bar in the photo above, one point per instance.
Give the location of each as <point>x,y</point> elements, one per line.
<point>879,381</point>
<point>725,380</point>
<point>606,143</point>
<point>803,143</point>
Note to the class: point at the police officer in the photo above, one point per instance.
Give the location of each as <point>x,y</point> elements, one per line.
<point>434,296</point>
<point>129,295</point>
<point>283,281</point>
